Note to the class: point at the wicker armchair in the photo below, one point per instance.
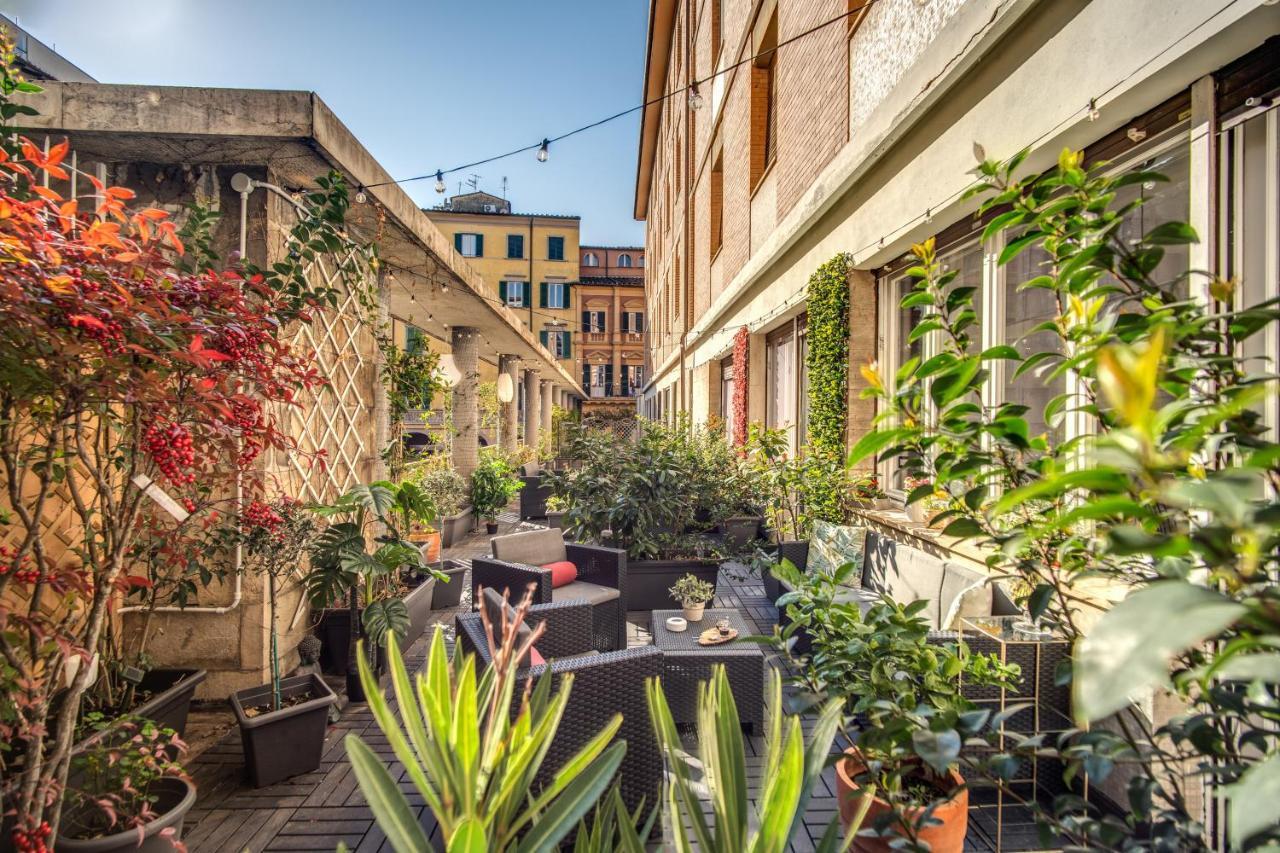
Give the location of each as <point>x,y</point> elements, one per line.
<point>533,497</point>
<point>604,684</point>
<point>602,578</point>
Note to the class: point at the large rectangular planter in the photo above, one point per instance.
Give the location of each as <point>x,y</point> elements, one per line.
<point>454,528</point>
<point>649,580</point>
<point>420,601</point>
<point>740,531</point>
<point>285,743</point>
<point>173,690</point>
<point>448,595</point>
<point>334,627</point>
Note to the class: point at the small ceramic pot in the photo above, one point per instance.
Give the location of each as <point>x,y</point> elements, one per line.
<point>676,625</point>
<point>693,612</point>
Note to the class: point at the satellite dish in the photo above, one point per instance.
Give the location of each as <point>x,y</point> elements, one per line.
<point>506,388</point>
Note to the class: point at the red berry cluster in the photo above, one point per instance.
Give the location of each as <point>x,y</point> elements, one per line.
<point>23,573</point>
<point>170,446</point>
<point>188,504</point>
<point>32,841</point>
<point>246,413</point>
<point>258,514</point>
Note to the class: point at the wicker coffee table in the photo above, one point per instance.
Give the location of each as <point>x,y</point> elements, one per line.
<point>685,663</point>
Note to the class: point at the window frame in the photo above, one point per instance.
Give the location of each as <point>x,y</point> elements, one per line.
<point>519,239</point>
<point>477,244</point>
<point>555,240</point>
<point>560,287</point>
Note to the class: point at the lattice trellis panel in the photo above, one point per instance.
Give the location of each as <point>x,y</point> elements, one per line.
<point>337,423</point>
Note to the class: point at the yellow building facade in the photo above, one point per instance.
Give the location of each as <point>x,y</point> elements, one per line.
<point>530,260</point>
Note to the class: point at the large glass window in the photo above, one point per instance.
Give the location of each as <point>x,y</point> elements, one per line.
<point>780,376</point>
<point>1024,310</point>
<point>726,396</point>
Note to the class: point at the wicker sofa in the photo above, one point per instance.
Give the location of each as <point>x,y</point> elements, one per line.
<point>602,578</point>
<point>603,684</point>
<point>903,573</point>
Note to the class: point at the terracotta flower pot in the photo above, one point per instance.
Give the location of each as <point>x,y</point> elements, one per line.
<point>693,612</point>
<point>428,543</point>
<point>945,837</point>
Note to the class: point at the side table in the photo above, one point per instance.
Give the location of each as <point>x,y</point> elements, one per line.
<point>685,663</point>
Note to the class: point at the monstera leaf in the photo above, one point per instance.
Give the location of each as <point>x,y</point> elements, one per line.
<point>331,563</point>
<point>387,616</point>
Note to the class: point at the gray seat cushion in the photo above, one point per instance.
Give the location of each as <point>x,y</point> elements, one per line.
<point>530,548</point>
<point>965,591</point>
<point>905,574</point>
<point>592,593</point>
<point>864,598</point>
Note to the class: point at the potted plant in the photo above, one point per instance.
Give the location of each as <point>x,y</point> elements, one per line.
<point>693,593</point>
<point>865,491</point>
<point>282,723</point>
<point>126,791</point>
<point>448,493</point>
<point>361,557</point>
<point>493,485</point>
<point>556,507</point>
<point>902,693</point>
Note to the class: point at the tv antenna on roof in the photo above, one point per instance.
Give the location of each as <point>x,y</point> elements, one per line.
<point>504,186</point>
<point>474,181</point>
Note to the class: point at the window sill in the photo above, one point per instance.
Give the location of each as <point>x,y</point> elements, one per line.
<point>764,176</point>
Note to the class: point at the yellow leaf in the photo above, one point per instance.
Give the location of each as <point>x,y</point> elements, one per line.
<point>872,375</point>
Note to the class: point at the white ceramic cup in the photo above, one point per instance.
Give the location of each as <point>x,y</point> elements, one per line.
<point>676,624</point>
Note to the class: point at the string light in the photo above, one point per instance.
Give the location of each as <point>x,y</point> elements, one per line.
<point>361,198</point>
<point>440,187</point>
<point>1094,112</point>
<point>695,97</point>
<point>543,153</point>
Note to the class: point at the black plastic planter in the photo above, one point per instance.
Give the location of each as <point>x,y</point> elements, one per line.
<point>649,580</point>
<point>419,601</point>
<point>174,798</point>
<point>281,744</point>
<point>449,594</point>
<point>174,690</point>
<point>740,531</point>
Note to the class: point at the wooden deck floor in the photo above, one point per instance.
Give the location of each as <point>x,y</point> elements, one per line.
<point>318,810</point>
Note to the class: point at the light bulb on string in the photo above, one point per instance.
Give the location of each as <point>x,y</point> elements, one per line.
<point>440,187</point>
<point>543,153</point>
<point>695,97</point>
<point>361,198</point>
<point>1094,112</point>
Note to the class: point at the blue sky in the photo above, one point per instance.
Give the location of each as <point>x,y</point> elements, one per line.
<point>424,85</point>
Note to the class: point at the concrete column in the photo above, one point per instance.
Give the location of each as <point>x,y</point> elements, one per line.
<point>466,414</point>
<point>508,365</point>
<point>548,394</point>
<point>532,408</point>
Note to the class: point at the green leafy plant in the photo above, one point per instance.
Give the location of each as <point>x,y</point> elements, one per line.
<point>1168,492</point>
<point>360,555</point>
<point>412,379</point>
<point>114,775</point>
<point>791,769</point>
<point>691,591</point>
<point>494,484</point>
<point>902,690</point>
<point>276,538</point>
<point>827,361</point>
<point>443,486</point>
<point>471,759</point>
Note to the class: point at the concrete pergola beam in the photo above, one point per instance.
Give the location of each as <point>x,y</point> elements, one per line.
<point>298,138</point>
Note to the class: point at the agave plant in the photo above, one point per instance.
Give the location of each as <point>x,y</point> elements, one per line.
<point>471,761</point>
<point>791,770</point>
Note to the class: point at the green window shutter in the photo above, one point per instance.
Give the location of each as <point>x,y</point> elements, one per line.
<point>542,295</point>
<point>586,321</point>
<point>502,292</point>
<point>457,242</point>
<point>413,339</point>
<point>542,336</point>
<point>586,376</point>
<point>568,345</point>
<point>479,245</point>
<point>568,296</point>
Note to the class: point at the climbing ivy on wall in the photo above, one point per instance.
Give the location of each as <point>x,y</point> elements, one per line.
<point>828,354</point>
<point>739,412</point>
<point>828,365</point>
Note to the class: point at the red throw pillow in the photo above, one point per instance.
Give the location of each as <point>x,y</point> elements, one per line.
<point>535,658</point>
<point>563,573</point>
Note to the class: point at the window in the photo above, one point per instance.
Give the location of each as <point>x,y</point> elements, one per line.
<point>590,260</point>
<point>632,379</point>
<point>555,248</point>
<point>556,340</point>
<point>593,321</point>
<point>414,340</point>
<point>780,382</point>
<point>515,245</point>
<point>555,294</point>
<point>599,379</point>
<point>640,261</point>
<point>469,245</point>
<point>513,293</point>
<point>632,321</point>
<point>726,396</point>
<point>717,204</point>
<point>624,260</point>
<point>764,104</point>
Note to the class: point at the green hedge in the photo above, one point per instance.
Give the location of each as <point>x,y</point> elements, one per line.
<point>828,366</point>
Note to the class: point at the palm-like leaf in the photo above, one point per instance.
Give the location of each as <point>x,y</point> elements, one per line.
<point>473,764</point>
